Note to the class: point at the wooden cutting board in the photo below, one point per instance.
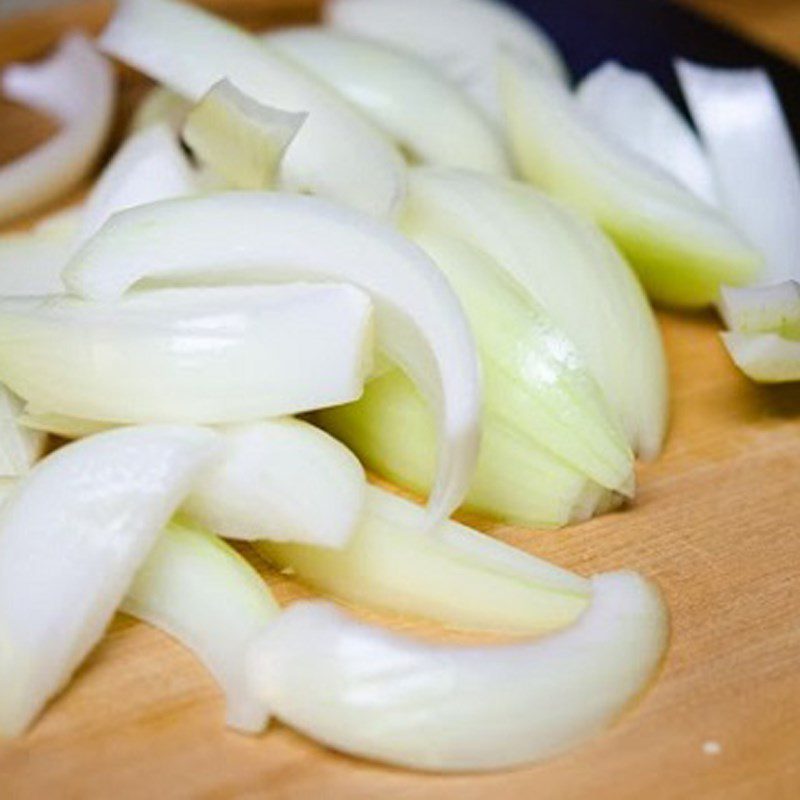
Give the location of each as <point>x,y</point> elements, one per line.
<point>716,523</point>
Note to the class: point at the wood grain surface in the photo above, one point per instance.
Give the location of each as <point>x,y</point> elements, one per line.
<point>715,523</point>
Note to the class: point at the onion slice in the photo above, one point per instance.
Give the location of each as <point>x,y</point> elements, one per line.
<point>20,446</point>
<point>77,86</point>
<point>60,424</point>
<point>72,536</point>
<point>765,357</point>
<point>419,321</point>
<point>202,355</point>
<point>631,107</point>
<point>459,577</point>
<point>459,37</point>
<point>743,128</point>
<point>373,693</point>
<point>682,248</point>
<point>203,593</point>
<point>283,480</point>
<point>763,309</point>
<point>422,111</point>
<point>160,106</point>
<point>336,154</point>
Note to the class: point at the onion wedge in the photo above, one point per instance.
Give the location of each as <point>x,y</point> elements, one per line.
<point>203,355</point>
<point>565,265</point>
<point>631,107</point>
<point>682,248</point>
<point>419,321</point>
<point>765,357</point>
<point>203,593</point>
<point>743,128</point>
<point>20,446</point>
<point>423,112</point>
<point>336,154</point>
<point>763,309</point>
<point>459,577</point>
<point>459,37</point>
<point>72,536</point>
<point>283,480</point>
<point>76,85</point>
<point>381,695</point>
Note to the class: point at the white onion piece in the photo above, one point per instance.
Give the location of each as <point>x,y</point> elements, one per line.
<point>20,447</point>
<point>460,37</point>
<point>283,480</point>
<point>419,321</point>
<point>60,424</point>
<point>199,355</point>
<point>682,248</point>
<point>336,154</point>
<point>203,593</point>
<point>459,577</point>
<point>765,357</point>
<point>160,106</point>
<point>373,693</point>
<point>149,166</point>
<point>762,309</point>
<point>76,85</point>
<point>631,107</point>
<point>741,123</point>
<point>425,113</point>
<point>72,536</point>
<point>31,263</point>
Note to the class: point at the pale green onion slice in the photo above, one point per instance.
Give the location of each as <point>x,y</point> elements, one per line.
<point>631,107</point>
<point>459,577</point>
<point>20,447</point>
<point>72,536</point>
<point>370,692</point>
<point>682,248</point>
<point>566,266</point>
<point>419,321</point>
<point>336,154</point>
<point>744,130</point>
<point>160,106</point>
<point>203,593</point>
<point>765,357</point>
<point>763,309</point>
<point>76,86</point>
<point>430,117</point>
<point>461,38</point>
<point>200,355</point>
<point>239,138</point>
<point>283,480</point>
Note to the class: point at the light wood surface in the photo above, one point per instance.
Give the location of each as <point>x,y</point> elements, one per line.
<point>715,523</point>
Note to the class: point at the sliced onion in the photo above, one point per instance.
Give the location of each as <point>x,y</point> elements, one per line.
<point>214,354</point>
<point>203,593</point>
<point>373,693</point>
<point>75,85</point>
<point>744,130</point>
<point>20,447</point>
<point>460,37</point>
<point>566,266</point>
<point>283,480</point>
<point>765,357</point>
<point>459,577</point>
<point>632,108</point>
<point>160,106</point>
<point>337,154</point>
<point>422,111</point>
<point>419,321</point>
<point>682,248</point>
<point>60,424</point>
<point>72,536</point>
<point>763,309</point>
<point>31,263</point>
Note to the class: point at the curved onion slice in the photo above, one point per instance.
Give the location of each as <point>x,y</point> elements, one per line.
<point>160,106</point>
<point>149,166</point>
<point>374,693</point>
<point>762,309</point>
<point>239,138</point>
<point>283,480</point>
<point>744,130</point>
<point>568,267</point>
<point>203,593</point>
<point>419,321</point>
<point>61,425</point>
<point>632,108</point>
<point>459,37</point>
<point>427,115</point>
<point>336,154</point>
<point>682,248</point>
<point>72,536</point>
<point>20,446</point>
<point>75,85</point>
<point>204,355</point>
<point>765,357</point>
<point>459,577</point>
